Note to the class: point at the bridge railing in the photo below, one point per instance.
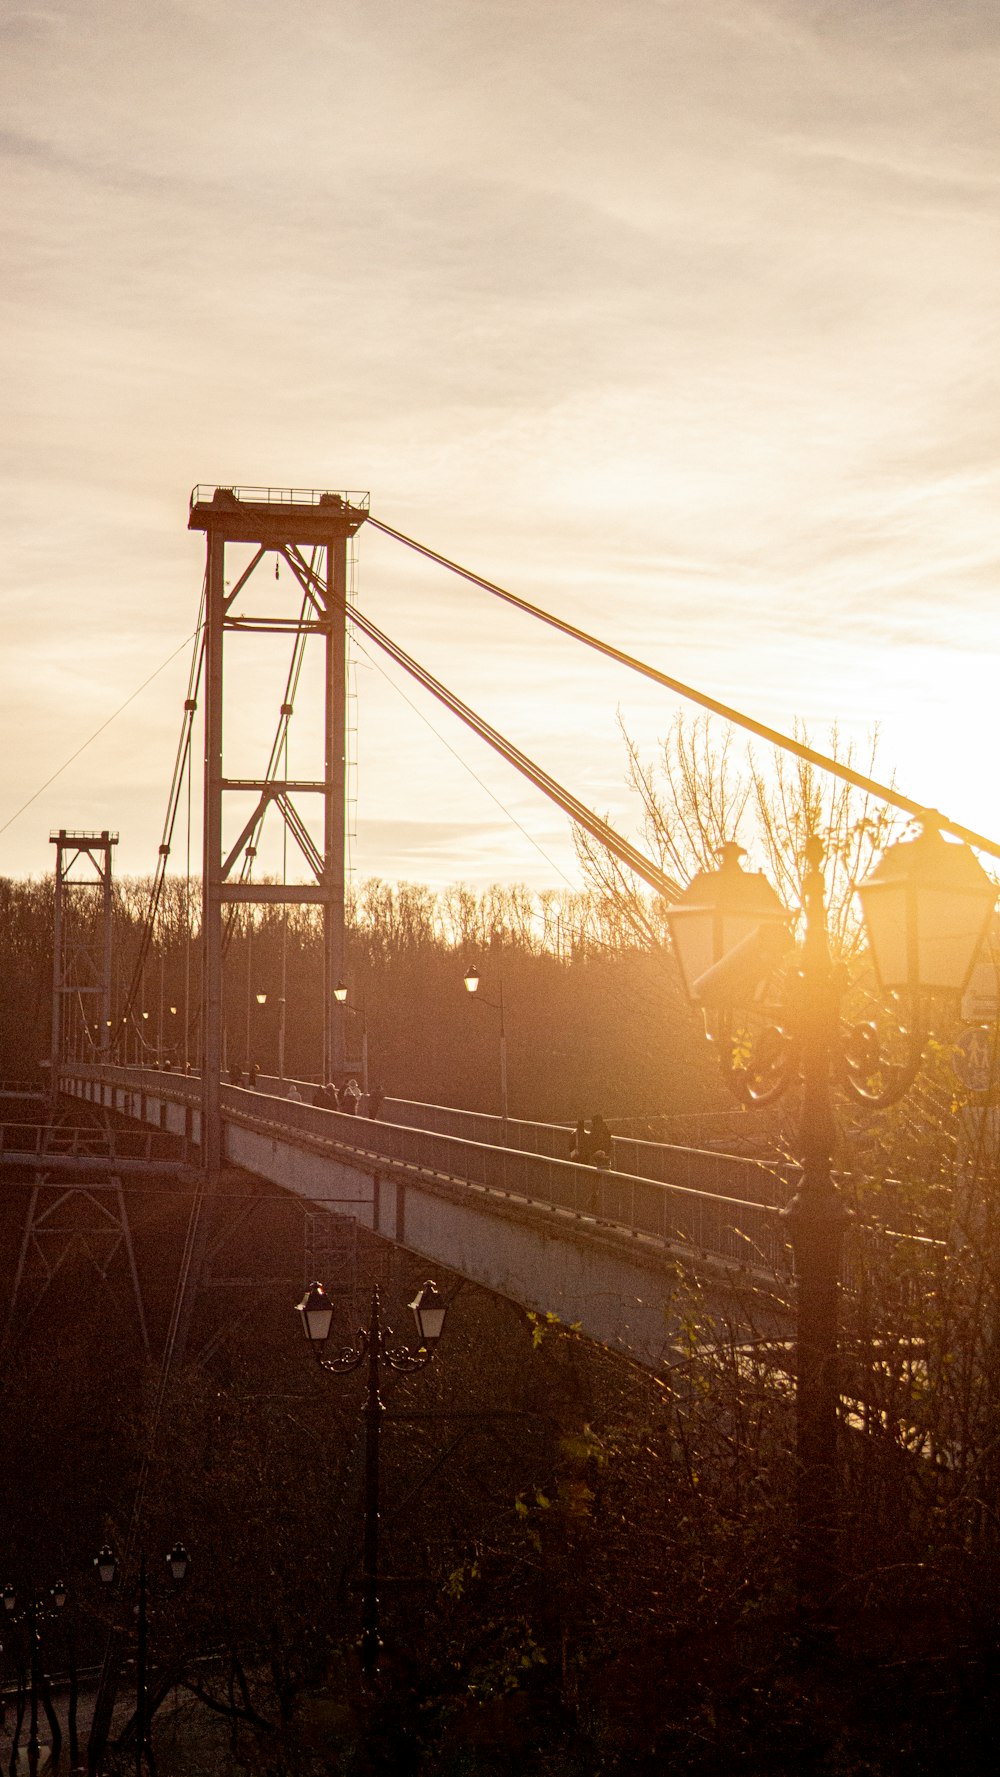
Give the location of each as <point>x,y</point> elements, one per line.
<point>725,1174</point>
<point>699,1169</point>
<point>702,1216</point>
<point>711,1223</point>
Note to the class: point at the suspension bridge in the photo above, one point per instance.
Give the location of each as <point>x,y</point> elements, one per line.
<point>498,1201</point>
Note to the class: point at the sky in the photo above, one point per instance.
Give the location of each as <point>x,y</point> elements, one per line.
<point>678,319</point>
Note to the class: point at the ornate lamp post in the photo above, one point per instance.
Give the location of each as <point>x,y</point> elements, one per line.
<point>106,1565</point>
<point>373,1346</point>
<point>37,1610</point>
<point>472,986</point>
<point>927,906</point>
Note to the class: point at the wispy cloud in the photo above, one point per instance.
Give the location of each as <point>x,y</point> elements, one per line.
<point>679,318</point>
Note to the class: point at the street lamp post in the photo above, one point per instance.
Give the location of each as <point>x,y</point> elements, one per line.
<point>374,1348</point>
<point>261,999</point>
<point>926,907</point>
<point>37,1610</point>
<point>106,1565</point>
<point>472,987</point>
<point>340,995</point>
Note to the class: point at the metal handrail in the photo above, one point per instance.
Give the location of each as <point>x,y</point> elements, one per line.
<point>202,494</point>
<point>715,1224</point>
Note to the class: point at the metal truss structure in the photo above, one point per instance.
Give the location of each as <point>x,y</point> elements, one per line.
<point>277,522</point>
<point>77,1210</point>
<point>81,965</point>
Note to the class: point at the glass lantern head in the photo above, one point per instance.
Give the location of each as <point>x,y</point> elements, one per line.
<point>731,917</point>
<point>927,906</point>
<point>106,1565</point>
<point>177,1561</point>
<point>429,1309</point>
<point>316,1310</point>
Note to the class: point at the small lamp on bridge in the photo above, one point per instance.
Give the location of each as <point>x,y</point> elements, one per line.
<point>471,979</point>
<point>340,992</point>
<point>261,999</point>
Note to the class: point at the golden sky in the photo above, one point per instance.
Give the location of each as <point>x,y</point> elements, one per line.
<point>678,318</point>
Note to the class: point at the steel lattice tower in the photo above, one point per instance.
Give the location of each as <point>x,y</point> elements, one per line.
<point>81,957</point>
<point>281,521</point>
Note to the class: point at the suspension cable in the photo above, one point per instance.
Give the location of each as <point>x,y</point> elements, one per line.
<point>181,759</point>
<point>785,742</point>
<point>578,811</point>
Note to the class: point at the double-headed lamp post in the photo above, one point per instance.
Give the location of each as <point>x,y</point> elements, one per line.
<point>472,987</point>
<point>38,1608</point>
<point>106,1565</point>
<point>373,1345</point>
<point>926,906</point>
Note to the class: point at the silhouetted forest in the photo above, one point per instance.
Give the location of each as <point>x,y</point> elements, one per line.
<point>594,1017</point>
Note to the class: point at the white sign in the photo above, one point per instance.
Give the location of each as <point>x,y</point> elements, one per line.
<point>973,1060</point>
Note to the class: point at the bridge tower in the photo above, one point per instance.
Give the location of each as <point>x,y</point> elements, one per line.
<point>81,955</point>
<point>288,524</point>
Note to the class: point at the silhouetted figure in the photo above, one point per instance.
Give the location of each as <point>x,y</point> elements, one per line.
<point>600,1142</point>
<point>350,1098</point>
<point>376,1100</point>
<point>252,1071</point>
<point>580,1149</point>
<point>235,1075</point>
<point>294,1094</point>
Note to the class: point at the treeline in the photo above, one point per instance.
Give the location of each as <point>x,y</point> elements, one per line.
<point>593,1015</point>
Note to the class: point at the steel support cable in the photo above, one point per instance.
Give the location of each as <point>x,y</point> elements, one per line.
<point>279,746</point>
<point>606,835</point>
<point>173,799</point>
<point>785,742</point>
